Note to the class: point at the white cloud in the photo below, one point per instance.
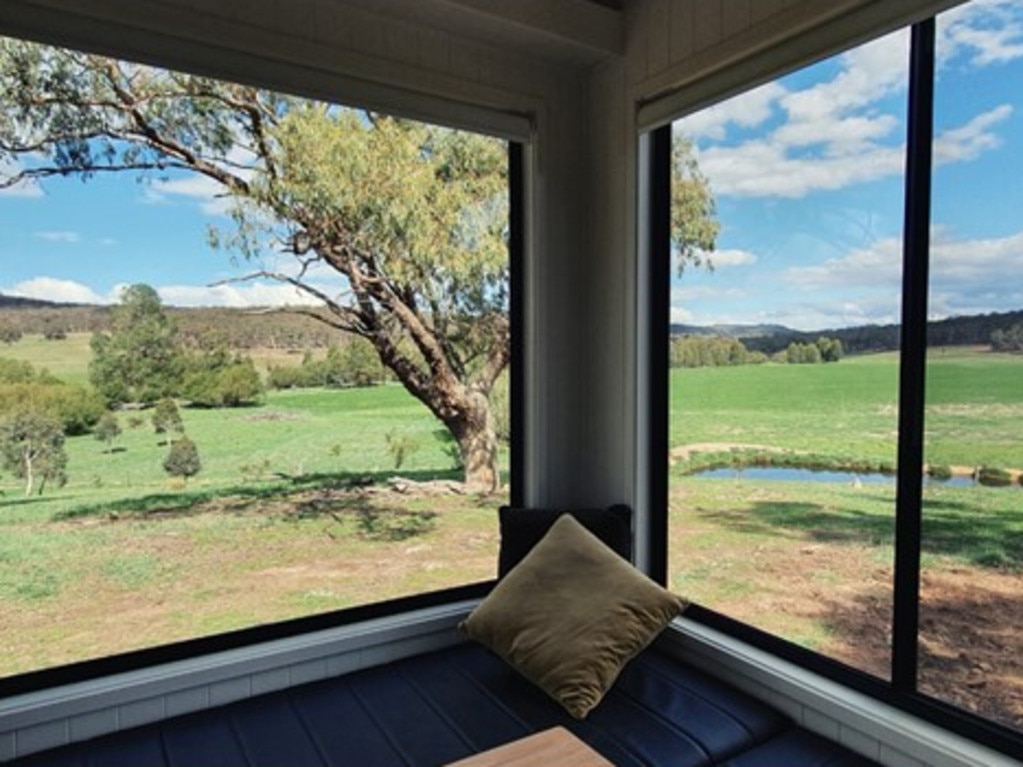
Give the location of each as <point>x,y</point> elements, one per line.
<point>249,294</point>
<point>971,139</point>
<point>879,264</point>
<point>723,259</point>
<point>59,236</point>
<point>211,195</point>
<point>966,276</point>
<point>58,290</point>
<point>837,132</point>
<point>749,110</point>
<point>985,32</point>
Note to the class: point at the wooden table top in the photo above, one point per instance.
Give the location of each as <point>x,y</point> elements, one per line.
<point>556,746</point>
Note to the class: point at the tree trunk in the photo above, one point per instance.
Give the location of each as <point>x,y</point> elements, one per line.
<point>29,477</point>
<point>473,429</point>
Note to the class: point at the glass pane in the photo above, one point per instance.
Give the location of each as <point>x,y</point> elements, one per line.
<point>784,357</point>
<point>972,586</point>
<point>248,432</point>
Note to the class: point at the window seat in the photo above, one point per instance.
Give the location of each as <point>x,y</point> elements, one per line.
<point>442,706</point>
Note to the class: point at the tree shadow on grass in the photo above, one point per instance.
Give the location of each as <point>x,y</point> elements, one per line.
<point>20,499</point>
<point>978,537</point>
<point>335,497</point>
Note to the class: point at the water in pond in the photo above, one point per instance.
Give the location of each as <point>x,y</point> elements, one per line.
<point>772,473</point>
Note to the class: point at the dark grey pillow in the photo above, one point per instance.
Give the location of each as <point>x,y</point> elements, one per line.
<point>522,528</point>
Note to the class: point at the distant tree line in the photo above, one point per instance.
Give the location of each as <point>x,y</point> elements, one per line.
<point>974,330</point>
<point>239,328</point>
<point>696,351</point>
<point>353,364</point>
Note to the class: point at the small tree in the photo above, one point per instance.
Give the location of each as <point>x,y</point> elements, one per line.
<point>182,459</point>
<point>139,360</point>
<point>107,429</point>
<point>166,418</point>
<point>32,447</point>
<point>9,334</point>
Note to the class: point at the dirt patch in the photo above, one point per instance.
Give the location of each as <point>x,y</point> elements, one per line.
<point>834,595</point>
<point>685,452</point>
<point>971,632</point>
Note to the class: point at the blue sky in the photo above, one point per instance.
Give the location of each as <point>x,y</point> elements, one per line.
<point>806,170</point>
<point>807,173</point>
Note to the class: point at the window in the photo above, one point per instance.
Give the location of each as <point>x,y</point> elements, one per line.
<point>842,390</point>
<point>232,395</point>
<point>971,591</point>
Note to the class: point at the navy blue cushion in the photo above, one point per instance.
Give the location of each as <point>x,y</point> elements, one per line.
<point>443,706</point>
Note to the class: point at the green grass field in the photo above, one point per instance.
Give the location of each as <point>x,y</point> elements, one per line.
<point>850,409</point>
<point>122,556</point>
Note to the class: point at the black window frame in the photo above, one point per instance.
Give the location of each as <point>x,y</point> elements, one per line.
<point>901,692</point>
<point>95,668</point>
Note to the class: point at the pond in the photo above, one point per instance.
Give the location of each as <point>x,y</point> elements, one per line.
<point>771,473</point>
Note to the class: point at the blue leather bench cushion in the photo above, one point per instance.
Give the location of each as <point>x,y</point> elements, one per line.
<point>443,706</point>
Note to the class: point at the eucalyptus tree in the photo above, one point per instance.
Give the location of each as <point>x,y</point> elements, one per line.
<point>409,219</point>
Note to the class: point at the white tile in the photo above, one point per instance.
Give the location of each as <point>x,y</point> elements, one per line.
<point>229,691</point>
<point>41,737</point>
<point>141,712</point>
<point>894,758</point>
<point>186,701</point>
<point>310,671</point>
<point>658,29</point>
<point>682,30</point>
<point>342,664</point>
<point>707,24</point>
<point>788,706</point>
<point>270,681</point>
<point>820,723</point>
<point>859,742</point>
<point>7,751</point>
<point>94,724</point>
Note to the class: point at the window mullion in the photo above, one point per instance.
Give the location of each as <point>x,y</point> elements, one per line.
<point>913,358</point>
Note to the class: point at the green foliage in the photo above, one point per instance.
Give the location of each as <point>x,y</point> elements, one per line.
<point>22,387</point>
<point>140,359</point>
<point>939,471</point>
<point>355,363</point>
<point>9,334</point>
<point>400,446</point>
<point>107,429</point>
<point>830,349</point>
<point>694,225</point>
<point>32,447</point>
<point>217,380</point>
<point>166,417</point>
<point>993,477</point>
<point>412,217</point>
<point>711,351</point>
<point>22,371</point>
<point>182,459</point>
<point>1008,340</point>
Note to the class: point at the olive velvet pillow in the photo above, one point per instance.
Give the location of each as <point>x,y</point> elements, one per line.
<point>570,615</point>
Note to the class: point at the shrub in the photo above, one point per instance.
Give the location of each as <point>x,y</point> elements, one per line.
<point>107,429</point>
<point>936,471</point>
<point>993,477</point>
<point>182,459</point>
<point>400,446</point>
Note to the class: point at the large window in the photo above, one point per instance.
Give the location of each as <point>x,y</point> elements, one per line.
<point>844,382</point>
<point>269,382</point>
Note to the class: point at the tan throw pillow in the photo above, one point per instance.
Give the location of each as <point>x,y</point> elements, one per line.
<point>571,614</point>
